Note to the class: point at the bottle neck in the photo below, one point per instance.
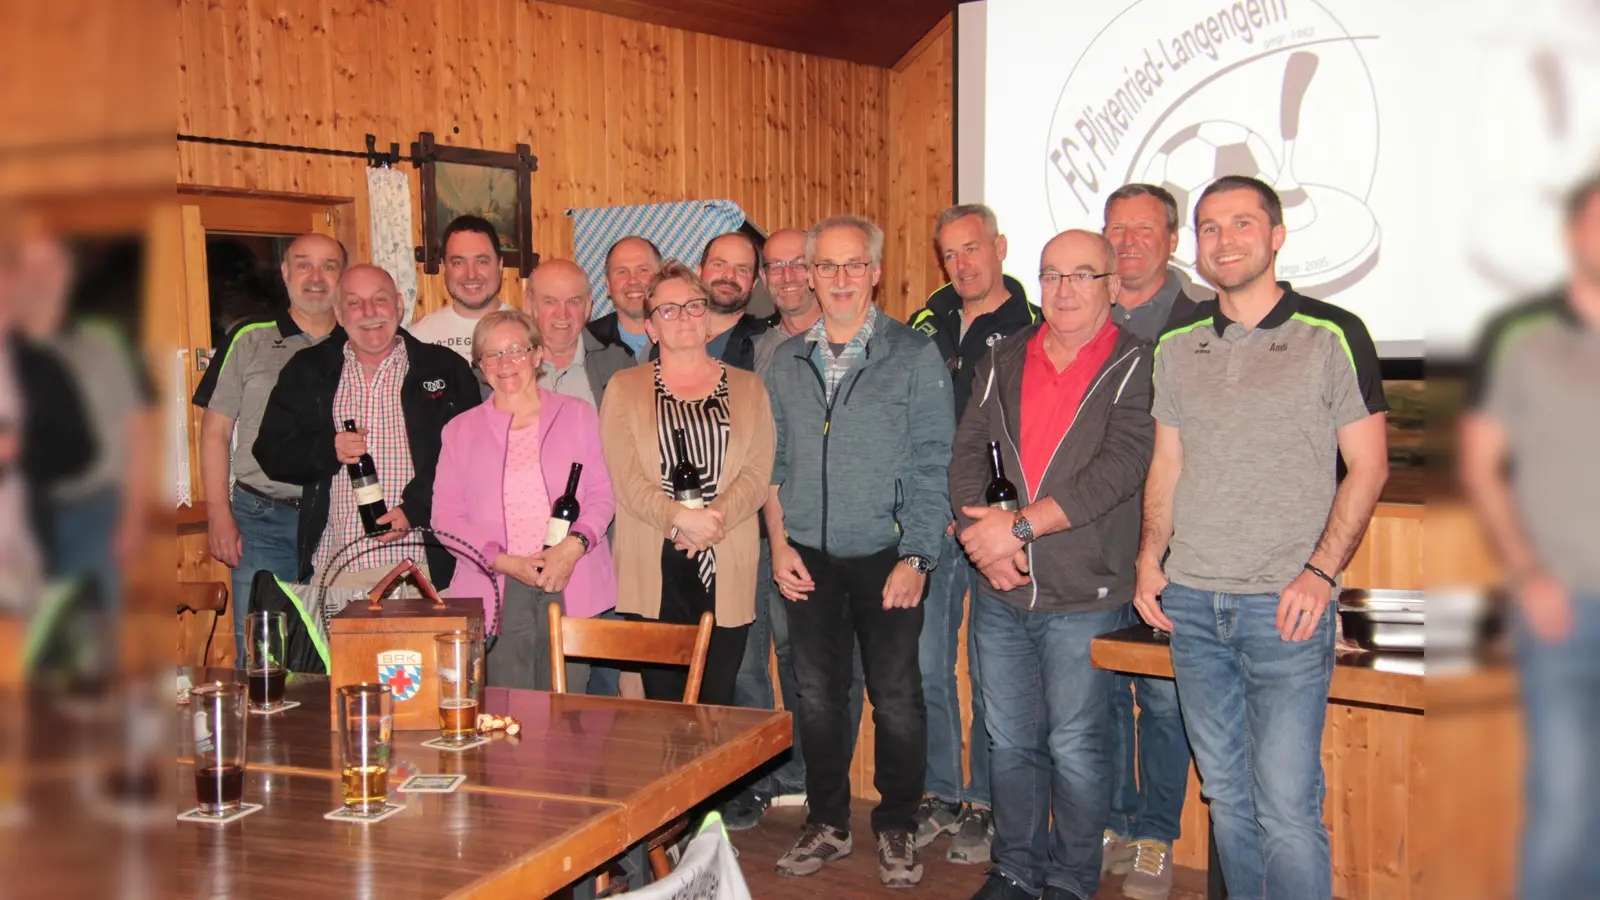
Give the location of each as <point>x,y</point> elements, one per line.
<point>997,469</point>
<point>572,479</point>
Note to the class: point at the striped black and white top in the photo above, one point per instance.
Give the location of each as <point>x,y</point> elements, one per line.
<point>705,425</point>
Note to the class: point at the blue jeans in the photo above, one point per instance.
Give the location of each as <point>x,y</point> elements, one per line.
<point>1152,805</point>
<point>1047,709</point>
<point>1254,705</point>
<point>753,687</point>
<point>1560,687</point>
<point>941,626</point>
<point>790,778</point>
<point>603,679</point>
<point>80,543</point>
<point>267,532</point>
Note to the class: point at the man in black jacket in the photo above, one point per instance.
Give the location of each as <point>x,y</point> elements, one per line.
<point>400,392</point>
<point>728,267</point>
<point>630,264</point>
<point>1068,404</point>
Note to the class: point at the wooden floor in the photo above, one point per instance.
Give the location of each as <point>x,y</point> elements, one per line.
<point>857,875</point>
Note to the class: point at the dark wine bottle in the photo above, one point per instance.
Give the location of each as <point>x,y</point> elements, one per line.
<point>369,490</point>
<point>685,477</point>
<point>564,512</point>
<point>1000,494</point>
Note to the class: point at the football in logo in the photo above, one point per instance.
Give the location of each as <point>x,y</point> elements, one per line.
<point>1199,155</point>
<point>401,670</point>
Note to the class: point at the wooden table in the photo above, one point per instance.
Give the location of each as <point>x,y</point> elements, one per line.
<point>609,771</point>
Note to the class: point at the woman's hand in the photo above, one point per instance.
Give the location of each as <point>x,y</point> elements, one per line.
<point>555,564</point>
<point>697,529</point>
<point>521,568</point>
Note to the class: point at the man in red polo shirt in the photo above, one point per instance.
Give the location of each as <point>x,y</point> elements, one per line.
<point>1068,404</point>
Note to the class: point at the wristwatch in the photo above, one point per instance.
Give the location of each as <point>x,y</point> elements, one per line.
<point>1022,529</point>
<point>919,564</point>
<point>582,539</point>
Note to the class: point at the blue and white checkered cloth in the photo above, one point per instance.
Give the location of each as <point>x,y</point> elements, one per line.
<point>680,229</point>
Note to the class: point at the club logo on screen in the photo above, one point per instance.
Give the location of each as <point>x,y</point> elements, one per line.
<point>1177,95</point>
<point>401,670</point>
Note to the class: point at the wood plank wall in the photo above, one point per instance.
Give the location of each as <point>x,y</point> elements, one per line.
<point>921,174</point>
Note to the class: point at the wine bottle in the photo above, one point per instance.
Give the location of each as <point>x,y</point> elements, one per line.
<point>685,477</point>
<point>369,490</point>
<point>564,512</point>
<point>1000,494</point>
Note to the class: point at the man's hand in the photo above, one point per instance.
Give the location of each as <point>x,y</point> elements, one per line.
<point>1148,585</point>
<point>222,537</point>
<point>789,572</point>
<point>988,540</point>
<point>555,564</point>
<point>1009,574</point>
<point>1301,605</point>
<point>349,445</point>
<point>903,590</point>
<point>398,525</point>
<point>1547,605</point>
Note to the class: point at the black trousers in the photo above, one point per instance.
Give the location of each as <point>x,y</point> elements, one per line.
<point>845,608</point>
<point>683,599</point>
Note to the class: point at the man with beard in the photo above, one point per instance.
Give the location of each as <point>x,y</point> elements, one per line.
<point>575,362</point>
<point>1258,393</point>
<point>630,264</point>
<point>728,267</point>
<point>256,529</point>
<point>472,278</point>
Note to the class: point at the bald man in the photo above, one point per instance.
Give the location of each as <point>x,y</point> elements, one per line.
<point>576,363</point>
<point>1068,403</point>
<point>255,529</point>
<point>400,392</point>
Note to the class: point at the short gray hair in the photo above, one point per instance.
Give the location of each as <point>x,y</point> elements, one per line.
<point>873,233</point>
<point>952,214</point>
<point>1138,189</point>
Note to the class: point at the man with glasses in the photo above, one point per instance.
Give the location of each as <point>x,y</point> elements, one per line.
<point>472,278</point>
<point>1068,404</point>
<point>863,414</point>
<point>575,363</point>
<point>630,264</point>
<point>783,270</point>
<point>728,267</point>
<point>965,318</point>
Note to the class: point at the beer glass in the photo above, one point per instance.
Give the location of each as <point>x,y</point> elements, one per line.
<point>458,660</point>
<point>366,725</point>
<point>218,719</point>
<point>264,668</point>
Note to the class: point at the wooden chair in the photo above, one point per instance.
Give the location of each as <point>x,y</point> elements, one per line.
<point>652,643</point>
<point>204,602</point>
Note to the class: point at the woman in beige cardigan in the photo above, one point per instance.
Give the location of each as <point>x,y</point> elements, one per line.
<point>675,562</point>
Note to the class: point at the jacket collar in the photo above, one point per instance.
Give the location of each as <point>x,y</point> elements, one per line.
<point>945,302</point>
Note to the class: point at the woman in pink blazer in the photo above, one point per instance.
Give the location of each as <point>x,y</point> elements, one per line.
<point>502,466</point>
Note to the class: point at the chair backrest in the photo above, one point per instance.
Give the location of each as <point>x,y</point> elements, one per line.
<point>200,605</point>
<point>640,642</point>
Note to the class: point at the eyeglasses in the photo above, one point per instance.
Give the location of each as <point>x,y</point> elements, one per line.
<point>1049,280</point>
<point>778,267</point>
<point>853,269</point>
<point>670,311</point>
<point>509,356</point>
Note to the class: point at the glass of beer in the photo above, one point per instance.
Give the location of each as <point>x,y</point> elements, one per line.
<point>458,660</point>
<point>366,725</point>
<point>217,718</point>
<point>264,670</point>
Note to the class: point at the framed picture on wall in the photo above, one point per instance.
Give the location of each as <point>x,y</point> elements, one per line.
<point>460,181</point>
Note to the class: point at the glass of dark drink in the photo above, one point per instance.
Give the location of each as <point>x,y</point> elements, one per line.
<point>264,669</point>
<point>218,720</point>
<point>458,660</point>
<point>365,715</point>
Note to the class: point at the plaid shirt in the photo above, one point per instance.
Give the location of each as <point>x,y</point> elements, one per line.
<point>834,368</point>
<point>374,406</point>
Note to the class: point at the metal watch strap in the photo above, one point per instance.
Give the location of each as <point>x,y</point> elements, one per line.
<point>582,539</point>
<point>920,564</point>
<point>1022,529</point>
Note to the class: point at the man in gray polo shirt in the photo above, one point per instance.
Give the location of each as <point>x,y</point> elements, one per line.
<point>1257,394</point>
<point>256,529</point>
<point>1142,226</point>
<point>1534,403</point>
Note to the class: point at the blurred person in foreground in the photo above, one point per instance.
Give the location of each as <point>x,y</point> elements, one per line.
<point>1526,456</point>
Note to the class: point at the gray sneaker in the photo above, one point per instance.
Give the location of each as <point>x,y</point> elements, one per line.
<point>1150,877</point>
<point>1116,854</point>
<point>818,845</point>
<point>974,830</point>
<point>898,863</point>
<point>935,817</point>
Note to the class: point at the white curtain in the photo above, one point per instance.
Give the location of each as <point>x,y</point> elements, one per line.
<point>393,247</point>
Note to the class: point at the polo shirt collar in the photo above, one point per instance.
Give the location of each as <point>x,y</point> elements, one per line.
<point>1285,309</point>
<point>287,326</point>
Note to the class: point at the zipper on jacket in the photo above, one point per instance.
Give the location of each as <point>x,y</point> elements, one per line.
<point>827,422</point>
<point>1015,449</point>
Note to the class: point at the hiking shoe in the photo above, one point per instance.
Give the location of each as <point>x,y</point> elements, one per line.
<point>898,863</point>
<point>1116,854</point>
<point>745,809</point>
<point>1000,887</point>
<point>819,845</point>
<point>1150,878</point>
<point>935,817</point>
<point>973,830</point>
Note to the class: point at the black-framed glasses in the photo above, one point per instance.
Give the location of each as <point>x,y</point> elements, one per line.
<point>670,311</point>
<point>853,269</point>
<point>1049,280</point>
<point>778,266</point>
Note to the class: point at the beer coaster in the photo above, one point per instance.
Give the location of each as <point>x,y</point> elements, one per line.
<point>432,784</point>
<point>287,705</point>
<point>439,744</point>
<point>195,815</point>
<point>344,815</point>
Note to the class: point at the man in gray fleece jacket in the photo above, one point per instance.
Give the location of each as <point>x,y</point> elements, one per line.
<point>864,419</point>
<point>1067,406</point>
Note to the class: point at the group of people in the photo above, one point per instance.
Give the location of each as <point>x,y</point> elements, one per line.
<point>843,459</point>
